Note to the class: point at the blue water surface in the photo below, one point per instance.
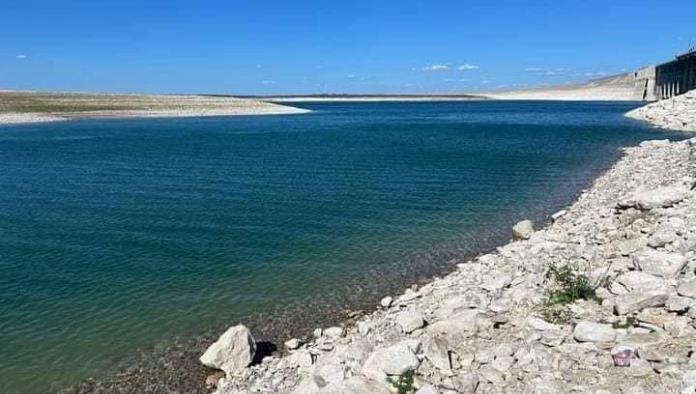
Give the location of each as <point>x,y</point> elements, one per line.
<point>117,235</point>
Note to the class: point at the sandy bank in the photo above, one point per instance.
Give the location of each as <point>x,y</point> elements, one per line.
<point>32,107</point>
<point>615,88</point>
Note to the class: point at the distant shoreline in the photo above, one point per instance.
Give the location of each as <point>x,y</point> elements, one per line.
<point>37,107</point>
<point>365,98</point>
<point>621,87</point>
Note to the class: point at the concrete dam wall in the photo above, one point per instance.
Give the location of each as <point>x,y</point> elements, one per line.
<point>667,80</point>
<point>676,77</point>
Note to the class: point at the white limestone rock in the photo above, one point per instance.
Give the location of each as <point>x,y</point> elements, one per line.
<point>629,246</point>
<point>502,363</point>
<point>232,352</point>
<point>333,332</point>
<point>410,321</point>
<point>436,351</point>
<point>456,328</point>
<point>587,331</point>
<point>292,344</point>
<point>523,230</point>
<point>661,197</point>
<point>662,237</point>
<point>687,289</point>
<point>386,302</point>
<point>427,389</point>
<point>393,360</point>
<point>633,280</point>
<point>640,299</point>
<point>663,264</point>
<point>466,383</point>
<point>496,282</point>
<point>678,304</point>
<point>329,374</point>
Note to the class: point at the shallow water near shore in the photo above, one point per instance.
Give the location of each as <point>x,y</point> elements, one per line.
<point>118,235</point>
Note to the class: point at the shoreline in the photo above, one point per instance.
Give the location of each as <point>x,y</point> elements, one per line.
<point>373,99</point>
<point>621,87</point>
<point>19,107</point>
<point>349,321</point>
<point>494,300</point>
<point>32,118</point>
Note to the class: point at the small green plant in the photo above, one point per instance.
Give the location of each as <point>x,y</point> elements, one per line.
<point>404,383</point>
<point>567,286</point>
<point>564,285</point>
<point>630,321</point>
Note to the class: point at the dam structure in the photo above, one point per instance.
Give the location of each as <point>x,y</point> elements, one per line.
<point>667,80</point>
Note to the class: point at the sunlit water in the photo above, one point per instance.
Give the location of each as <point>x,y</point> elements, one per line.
<point>118,235</point>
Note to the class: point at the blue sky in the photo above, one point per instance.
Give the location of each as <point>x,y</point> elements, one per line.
<point>360,46</point>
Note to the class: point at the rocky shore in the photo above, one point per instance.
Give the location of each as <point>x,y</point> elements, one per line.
<point>603,300</point>
<point>677,113</point>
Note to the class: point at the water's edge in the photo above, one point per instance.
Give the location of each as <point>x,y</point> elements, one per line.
<point>177,367</point>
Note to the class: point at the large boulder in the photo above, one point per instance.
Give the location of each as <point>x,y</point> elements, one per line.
<point>523,230</point>
<point>457,328</point>
<point>232,352</point>
<point>639,280</point>
<point>662,197</point>
<point>437,353</point>
<point>394,360</point>
<point>328,374</point>
<point>640,299</point>
<point>410,321</point>
<point>663,264</point>
<point>587,331</point>
<point>687,289</point>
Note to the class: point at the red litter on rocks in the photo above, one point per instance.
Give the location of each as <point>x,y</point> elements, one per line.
<point>622,356</point>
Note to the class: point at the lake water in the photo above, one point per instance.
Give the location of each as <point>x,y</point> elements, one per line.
<point>117,235</point>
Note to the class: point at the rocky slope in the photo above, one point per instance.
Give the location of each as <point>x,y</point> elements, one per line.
<point>496,325</point>
<point>677,113</point>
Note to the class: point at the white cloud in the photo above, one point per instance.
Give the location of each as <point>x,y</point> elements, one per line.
<point>595,74</point>
<point>549,72</point>
<point>350,76</point>
<point>485,82</point>
<point>20,57</point>
<point>467,66</point>
<point>456,80</point>
<point>437,67</point>
<point>267,82</point>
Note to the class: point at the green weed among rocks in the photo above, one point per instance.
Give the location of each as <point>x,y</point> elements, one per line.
<point>403,384</point>
<point>565,285</point>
